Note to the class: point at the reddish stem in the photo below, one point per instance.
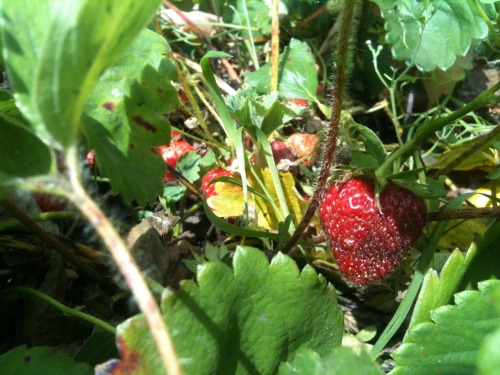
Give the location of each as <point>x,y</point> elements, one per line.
<point>330,142</point>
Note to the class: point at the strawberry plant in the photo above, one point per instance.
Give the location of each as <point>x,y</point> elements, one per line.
<point>272,187</point>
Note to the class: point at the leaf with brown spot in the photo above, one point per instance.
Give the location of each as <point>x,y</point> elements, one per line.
<point>123,137</point>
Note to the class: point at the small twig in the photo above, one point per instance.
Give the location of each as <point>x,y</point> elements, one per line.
<point>309,18</point>
<point>50,239</point>
<point>464,213</point>
<point>230,70</point>
<point>184,181</point>
<point>44,216</point>
<point>275,46</point>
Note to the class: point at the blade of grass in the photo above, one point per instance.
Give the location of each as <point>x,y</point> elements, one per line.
<point>275,45</point>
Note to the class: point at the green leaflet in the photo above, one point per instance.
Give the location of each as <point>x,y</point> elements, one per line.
<point>240,321</point>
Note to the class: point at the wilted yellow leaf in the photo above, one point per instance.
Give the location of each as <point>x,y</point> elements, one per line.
<point>229,200</point>
<point>482,197</point>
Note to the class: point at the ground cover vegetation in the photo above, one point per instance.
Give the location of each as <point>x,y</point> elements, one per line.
<point>249,187</point>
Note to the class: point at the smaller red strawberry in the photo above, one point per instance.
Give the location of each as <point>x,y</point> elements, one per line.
<point>206,187</point>
<point>91,158</point>
<point>303,145</point>
<point>283,157</point>
<point>171,154</point>
<point>300,102</point>
<point>50,203</point>
<point>369,243</point>
<point>281,152</point>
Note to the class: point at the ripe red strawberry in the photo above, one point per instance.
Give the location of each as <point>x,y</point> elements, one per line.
<point>171,154</point>
<point>302,145</point>
<point>206,187</point>
<point>369,243</point>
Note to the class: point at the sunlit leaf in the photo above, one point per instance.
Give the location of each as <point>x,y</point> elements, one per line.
<point>298,77</point>
<point>55,51</point>
<point>241,321</point>
<point>341,361</point>
<point>431,34</point>
<point>450,343</point>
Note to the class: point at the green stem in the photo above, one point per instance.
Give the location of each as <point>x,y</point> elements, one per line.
<point>63,308</point>
<point>427,130</point>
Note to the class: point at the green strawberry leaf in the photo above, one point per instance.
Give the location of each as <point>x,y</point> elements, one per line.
<point>437,290</point>
<point>97,348</point>
<point>431,34</point>
<point>41,360</point>
<point>124,118</point>
<point>433,189</point>
<point>53,64</point>
<point>266,112</point>
<point>489,355</point>
<point>237,11</point>
<point>189,166</point>
<point>240,321</point>
<point>485,265</point>
<point>373,145</point>
<point>340,361</point>
<point>8,108</point>
<point>28,155</point>
<point>297,76</point>
<point>450,344</point>
<point>362,160</point>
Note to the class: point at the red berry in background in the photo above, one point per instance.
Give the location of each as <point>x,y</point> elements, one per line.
<point>91,158</point>
<point>171,154</point>
<point>303,145</point>
<point>281,154</point>
<point>300,102</point>
<point>50,203</point>
<point>368,243</point>
<point>206,187</point>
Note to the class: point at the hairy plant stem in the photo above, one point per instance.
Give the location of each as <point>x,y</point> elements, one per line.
<point>424,132</point>
<point>125,263</point>
<point>330,141</point>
